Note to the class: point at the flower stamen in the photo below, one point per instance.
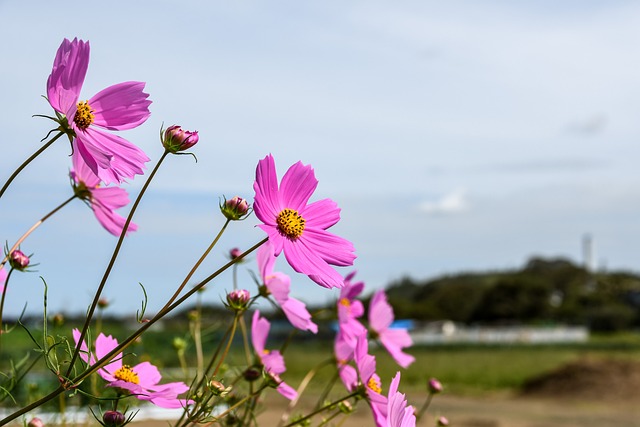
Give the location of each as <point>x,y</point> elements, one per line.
<point>125,373</point>
<point>374,385</point>
<point>84,115</point>
<point>290,223</point>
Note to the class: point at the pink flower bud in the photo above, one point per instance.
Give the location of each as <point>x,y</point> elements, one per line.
<point>35,422</point>
<point>235,253</point>
<point>238,299</point>
<point>18,260</point>
<point>177,139</point>
<point>113,419</point>
<point>235,208</point>
<point>103,303</point>
<point>443,421</point>
<point>434,386</point>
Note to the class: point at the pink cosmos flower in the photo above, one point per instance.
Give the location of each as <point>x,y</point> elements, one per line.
<point>393,339</point>
<point>297,227</point>
<point>140,380</point>
<point>399,412</point>
<point>278,285</point>
<point>118,107</point>
<point>272,360</point>
<point>349,310</point>
<point>102,200</point>
<point>366,375</point>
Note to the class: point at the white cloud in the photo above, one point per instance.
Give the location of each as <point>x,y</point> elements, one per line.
<point>451,203</point>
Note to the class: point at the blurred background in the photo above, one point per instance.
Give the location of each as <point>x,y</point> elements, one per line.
<point>455,136</point>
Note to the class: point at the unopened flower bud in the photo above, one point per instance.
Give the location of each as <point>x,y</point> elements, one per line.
<point>235,208</point>
<point>35,422</point>
<point>251,374</point>
<point>193,315</point>
<point>345,407</point>
<point>176,139</point>
<point>442,421</point>
<point>235,253</point>
<point>218,389</point>
<point>18,260</point>
<point>58,320</point>
<point>238,299</point>
<point>434,385</point>
<point>113,419</point>
<point>179,344</point>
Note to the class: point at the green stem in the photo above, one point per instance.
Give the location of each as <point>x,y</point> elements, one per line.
<point>424,407</point>
<point>123,345</point>
<point>32,229</point>
<point>4,293</point>
<point>197,264</point>
<point>302,387</point>
<point>324,408</point>
<point>116,251</point>
<point>26,162</point>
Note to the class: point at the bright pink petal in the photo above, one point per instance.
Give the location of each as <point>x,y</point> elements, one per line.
<point>104,202</point>
<point>321,214</point>
<point>287,391</point>
<point>3,278</point>
<point>348,376</point>
<point>380,312</point>
<point>259,331</point>
<point>68,73</point>
<point>394,340</point>
<point>82,172</point>
<point>304,260</point>
<point>297,186</point>
<point>104,345</point>
<point>121,106</point>
<point>148,374</point>
<point>399,413</point>
<point>124,160</point>
<point>331,248</point>
<point>297,313</point>
<point>266,260</point>
<point>273,361</point>
<point>266,204</point>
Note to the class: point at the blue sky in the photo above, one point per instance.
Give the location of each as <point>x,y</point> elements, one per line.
<point>454,135</point>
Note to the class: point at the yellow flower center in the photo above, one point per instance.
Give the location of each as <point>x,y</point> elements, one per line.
<point>374,385</point>
<point>84,115</point>
<point>345,302</point>
<point>126,374</point>
<point>290,223</point>
<point>265,351</point>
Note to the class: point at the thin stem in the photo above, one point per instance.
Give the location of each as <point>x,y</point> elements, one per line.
<point>324,408</point>
<point>424,407</point>
<point>116,251</point>
<point>226,350</point>
<point>26,162</point>
<point>4,293</point>
<point>301,388</point>
<point>123,345</point>
<point>239,403</point>
<point>32,229</point>
<point>195,267</point>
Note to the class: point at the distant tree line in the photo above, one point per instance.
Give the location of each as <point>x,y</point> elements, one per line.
<point>544,291</point>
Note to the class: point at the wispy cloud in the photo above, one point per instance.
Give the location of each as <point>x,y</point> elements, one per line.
<point>450,203</point>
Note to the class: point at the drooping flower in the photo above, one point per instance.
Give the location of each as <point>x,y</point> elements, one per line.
<point>176,139</point>
<point>271,360</point>
<point>140,380</point>
<point>297,227</point>
<point>103,200</point>
<point>399,412</point>
<point>349,310</point>
<point>366,364</point>
<point>393,339</point>
<point>119,107</point>
<point>279,284</point>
